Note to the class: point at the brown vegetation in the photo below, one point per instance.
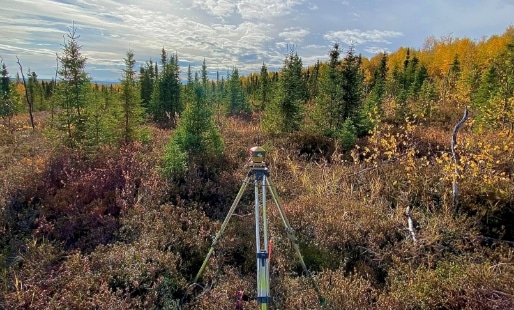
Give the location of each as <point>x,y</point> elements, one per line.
<point>110,233</point>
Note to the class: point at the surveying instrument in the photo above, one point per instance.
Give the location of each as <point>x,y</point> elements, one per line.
<point>260,174</point>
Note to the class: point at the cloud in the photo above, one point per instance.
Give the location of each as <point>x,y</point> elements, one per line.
<point>357,37</point>
<point>293,34</point>
<point>313,7</point>
<point>27,51</point>
<point>247,9</point>
<point>228,33</point>
<point>219,8</point>
<point>375,49</point>
<point>266,9</point>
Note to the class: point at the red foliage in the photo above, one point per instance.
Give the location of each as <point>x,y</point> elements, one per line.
<point>81,200</point>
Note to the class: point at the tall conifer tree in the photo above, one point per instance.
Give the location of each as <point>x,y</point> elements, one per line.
<point>166,101</point>
<point>6,103</point>
<point>285,113</point>
<point>352,79</point>
<point>130,102</point>
<point>236,98</point>
<point>264,87</point>
<point>204,75</point>
<point>73,90</point>
<point>146,82</point>
<point>327,115</point>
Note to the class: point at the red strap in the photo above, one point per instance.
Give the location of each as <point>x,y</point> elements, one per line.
<point>270,247</point>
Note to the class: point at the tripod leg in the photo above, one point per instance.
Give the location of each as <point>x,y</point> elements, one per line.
<point>223,226</point>
<point>292,238</point>
<point>264,214</point>
<point>263,291</point>
<point>257,216</point>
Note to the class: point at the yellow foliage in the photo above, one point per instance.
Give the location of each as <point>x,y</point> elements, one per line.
<point>20,89</point>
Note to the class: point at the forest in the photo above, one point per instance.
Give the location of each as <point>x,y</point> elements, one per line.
<point>395,172</point>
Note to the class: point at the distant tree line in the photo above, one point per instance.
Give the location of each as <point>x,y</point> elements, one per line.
<point>341,99</point>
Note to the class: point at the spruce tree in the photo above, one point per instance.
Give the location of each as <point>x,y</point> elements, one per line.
<point>102,115</point>
<point>454,74</point>
<point>285,113</point>
<point>204,75</point>
<point>73,90</point>
<point>505,98</point>
<point>5,81</point>
<point>489,86</point>
<point>339,105</point>
<point>328,113</point>
<point>264,87</point>
<point>379,75</point>
<point>312,78</point>
<point>493,99</point>
<point>33,89</point>
<point>146,82</point>
<point>219,97</point>
<point>236,98</point>
<point>130,102</point>
<point>372,111</point>
<point>406,86</point>
<point>427,97</point>
<point>196,138</point>
<point>166,102</point>
<point>420,75</point>
<point>189,87</point>
<point>7,107</point>
<point>352,79</point>
<point>164,58</point>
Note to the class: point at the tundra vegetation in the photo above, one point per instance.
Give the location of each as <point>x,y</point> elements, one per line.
<point>112,200</point>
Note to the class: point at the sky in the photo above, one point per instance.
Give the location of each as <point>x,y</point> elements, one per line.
<point>227,34</point>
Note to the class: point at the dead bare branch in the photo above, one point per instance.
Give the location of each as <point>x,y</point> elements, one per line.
<point>456,158</point>
<point>29,99</point>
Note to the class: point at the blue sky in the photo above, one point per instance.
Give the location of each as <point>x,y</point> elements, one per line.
<point>232,33</point>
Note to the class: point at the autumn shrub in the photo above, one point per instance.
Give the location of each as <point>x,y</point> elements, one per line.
<point>341,291</point>
<point>484,179</point>
<point>210,188</point>
<point>456,283</point>
<point>80,200</point>
<point>74,203</point>
<point>33,273</point>
<point>308,146</point>
<point>110,232</point>
<point>119,276</point>
<point>212,183</point>
<point>144,274</point>
<point>445,116</point>
<point>355,215</point>
<point>160,248</point>
<point>221,291</point>
<point>23,156</point>
<point>351,233</point>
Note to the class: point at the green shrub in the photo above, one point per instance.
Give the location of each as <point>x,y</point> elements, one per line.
<point>348,135</point>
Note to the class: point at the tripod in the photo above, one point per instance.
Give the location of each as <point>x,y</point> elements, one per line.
<point>259,172</point>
